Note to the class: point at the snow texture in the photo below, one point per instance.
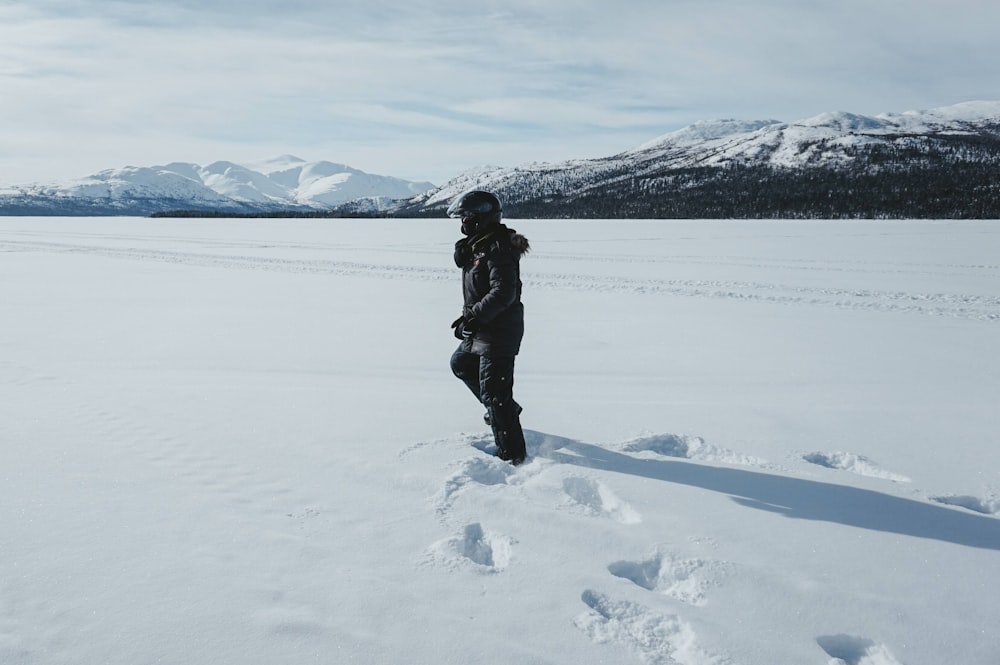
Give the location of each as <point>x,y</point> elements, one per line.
<point>749,443</point>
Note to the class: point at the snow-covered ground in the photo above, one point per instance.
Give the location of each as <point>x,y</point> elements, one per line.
<point>758,443</point>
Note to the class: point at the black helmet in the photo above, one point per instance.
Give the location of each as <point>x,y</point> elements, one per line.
<point>477,210</point>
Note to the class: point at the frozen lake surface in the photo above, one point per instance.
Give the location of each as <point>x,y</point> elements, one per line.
<point>757,443</point>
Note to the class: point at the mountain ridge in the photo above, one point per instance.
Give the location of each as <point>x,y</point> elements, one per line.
<point>285,183</point>
<point>938,162</point>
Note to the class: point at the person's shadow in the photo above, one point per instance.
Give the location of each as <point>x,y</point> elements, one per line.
<point>795,498</point>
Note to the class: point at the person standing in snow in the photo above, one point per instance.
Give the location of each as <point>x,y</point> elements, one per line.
<point>492,321</point>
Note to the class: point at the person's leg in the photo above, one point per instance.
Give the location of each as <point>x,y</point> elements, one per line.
<point>496,375</point>
<point>465,366</point>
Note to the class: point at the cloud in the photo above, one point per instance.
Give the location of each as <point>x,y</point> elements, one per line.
<point>425,89</point>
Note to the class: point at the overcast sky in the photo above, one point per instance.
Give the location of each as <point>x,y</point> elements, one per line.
<point>425,89</point>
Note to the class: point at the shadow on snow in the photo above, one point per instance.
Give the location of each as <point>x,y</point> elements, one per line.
<point>795,498</point>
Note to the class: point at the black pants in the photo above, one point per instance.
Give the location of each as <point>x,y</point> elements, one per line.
<point>491,380</point>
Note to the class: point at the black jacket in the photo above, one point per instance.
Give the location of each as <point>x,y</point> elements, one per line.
<point>491,287</point>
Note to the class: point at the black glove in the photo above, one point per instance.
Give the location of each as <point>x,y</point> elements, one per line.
<point>464,326</point>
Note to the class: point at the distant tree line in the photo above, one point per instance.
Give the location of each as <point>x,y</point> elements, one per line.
<point>270,214</point>
<point>967,191</point>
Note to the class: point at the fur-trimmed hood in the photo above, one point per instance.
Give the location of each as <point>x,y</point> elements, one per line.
<point>466,248</point>
<point>519,242</point>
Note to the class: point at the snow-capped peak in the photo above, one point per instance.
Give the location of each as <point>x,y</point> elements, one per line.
<point>821,139</point>
<point>638,179</point>
<point>842,121</point>
<point>706,130</point>
<point>281,182</point>
<point>277,163</point>
<point>954,116</point>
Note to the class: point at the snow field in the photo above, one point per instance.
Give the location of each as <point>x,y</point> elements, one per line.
<point>751,443</point>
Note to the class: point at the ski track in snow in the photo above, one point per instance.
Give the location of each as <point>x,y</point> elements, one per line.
<point>966,306</point>
<point>841,265</point>
<point>957,305</point>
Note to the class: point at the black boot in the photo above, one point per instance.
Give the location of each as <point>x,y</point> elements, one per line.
<point>507,430</point>
<point>489,421</point>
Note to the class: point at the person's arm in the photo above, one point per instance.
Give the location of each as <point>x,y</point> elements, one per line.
<point>503,287</point>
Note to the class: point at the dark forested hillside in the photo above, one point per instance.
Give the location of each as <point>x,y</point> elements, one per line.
<point>906,176</point>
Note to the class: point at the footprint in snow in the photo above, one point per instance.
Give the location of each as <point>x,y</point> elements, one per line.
<point>685,580</point>
<point>690,447</point>
<point>595,498</point>
<point>858,464</point>
<point>987,506</point>
<point>474,548</point>
<point>658,639</point>
<point>849,650</point>
<point>668,445</point>
<point>477,471</point>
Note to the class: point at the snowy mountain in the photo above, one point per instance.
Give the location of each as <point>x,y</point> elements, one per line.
<point>941,162</point>
<point>823,140</point>
<point>280,183</point>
